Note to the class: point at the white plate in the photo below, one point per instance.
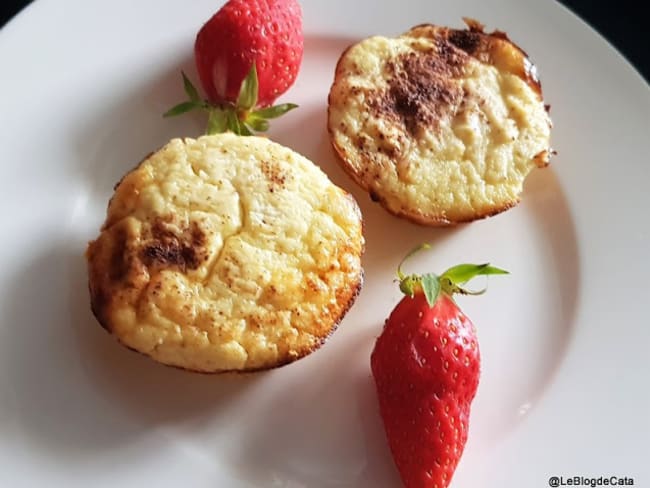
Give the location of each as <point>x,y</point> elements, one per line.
<point>565,388</point>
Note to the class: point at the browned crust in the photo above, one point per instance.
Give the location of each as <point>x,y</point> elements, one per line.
<point>476,43</point>
<point>487,47</point>
<point>416,218</point>
<point>356,290</point>
<point>124,268</point>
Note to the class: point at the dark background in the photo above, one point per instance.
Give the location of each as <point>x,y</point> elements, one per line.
<point>621,22</point>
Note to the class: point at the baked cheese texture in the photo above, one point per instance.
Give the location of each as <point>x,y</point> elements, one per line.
<point>441,126</point>
<point>226,253</point>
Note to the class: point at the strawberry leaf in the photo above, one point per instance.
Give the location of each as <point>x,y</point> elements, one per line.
<point>462,273</point>
<point>275,111</point>
<point>217,121</point>
<point>244,129</point>
<point>240,118</point>
<point>190,90</point>
<point>408,284</point>
<point>248,91</point>
<point>415,250</point>
<point>181,108</point>
<point>448,283</point>
<point>257,124</point>
<point>232,122</point>
<point>431,287</point>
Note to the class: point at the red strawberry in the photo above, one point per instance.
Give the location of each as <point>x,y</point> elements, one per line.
<point>426,366</point>
<point>243,32</point>
<point>247,55</point>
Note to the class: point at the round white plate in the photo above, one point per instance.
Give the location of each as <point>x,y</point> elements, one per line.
<point>565,385</point>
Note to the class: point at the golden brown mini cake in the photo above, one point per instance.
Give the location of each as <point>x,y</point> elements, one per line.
<point>439,125</point>
<point>226,253</point>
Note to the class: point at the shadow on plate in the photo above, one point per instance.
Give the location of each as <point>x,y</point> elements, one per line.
<point>76,390</point>
<point>124,130</point>
<point>527,355</point>
<point>551,212</point>
<point>321,427</point>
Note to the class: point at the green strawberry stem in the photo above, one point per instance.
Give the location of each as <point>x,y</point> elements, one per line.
<point>449,282</point>
<point>242,117</point>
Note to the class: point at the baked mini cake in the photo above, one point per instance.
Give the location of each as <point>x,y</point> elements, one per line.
<point>226,253</point>
<point>439,125</point>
